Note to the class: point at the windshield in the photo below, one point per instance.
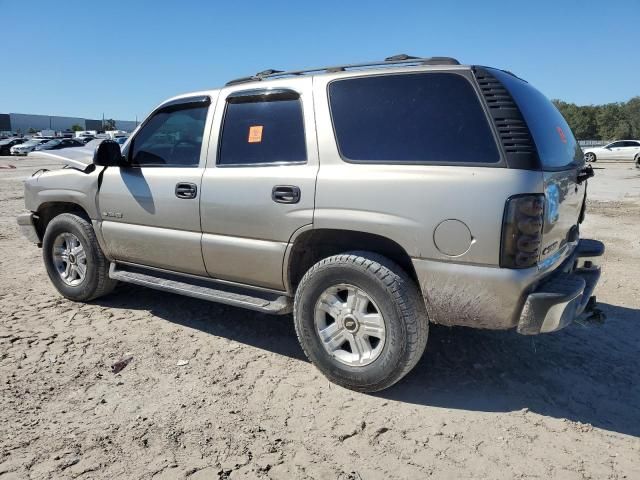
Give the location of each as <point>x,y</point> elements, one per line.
<point>556,145</point>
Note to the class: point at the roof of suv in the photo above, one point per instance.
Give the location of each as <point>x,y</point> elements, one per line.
<point>393,64</point>
<point>393,61</point>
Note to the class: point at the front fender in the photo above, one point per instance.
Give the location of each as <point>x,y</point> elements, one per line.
<point>66,185</point>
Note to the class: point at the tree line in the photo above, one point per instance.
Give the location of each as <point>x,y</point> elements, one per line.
<point>611,121</point>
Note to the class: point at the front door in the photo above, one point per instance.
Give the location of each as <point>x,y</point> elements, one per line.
<point>612,151</point>
<point>151,208</point>
<point>259,185</point>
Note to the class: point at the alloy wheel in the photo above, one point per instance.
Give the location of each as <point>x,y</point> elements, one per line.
<point>70,259</point>
<point>350,325</point>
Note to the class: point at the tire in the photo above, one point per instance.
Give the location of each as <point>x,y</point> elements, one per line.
<point>400,310</point>
<point>590,157</point>
<point>637,160</point>
<point>67,230</point>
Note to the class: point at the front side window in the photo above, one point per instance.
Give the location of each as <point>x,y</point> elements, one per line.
<point>172,137</point>
<point>411,118</point>
<point>263,129</point>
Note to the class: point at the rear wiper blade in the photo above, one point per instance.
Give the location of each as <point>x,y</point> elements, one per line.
<point>585,174</point>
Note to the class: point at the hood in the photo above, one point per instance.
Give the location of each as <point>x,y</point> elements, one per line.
<point>78,157</point>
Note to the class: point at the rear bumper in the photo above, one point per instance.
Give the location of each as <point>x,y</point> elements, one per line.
<point>27,227</point>
<point>565,294</point>
<point>502,298</point>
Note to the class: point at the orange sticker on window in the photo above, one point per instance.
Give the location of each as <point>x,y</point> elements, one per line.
<point>255,134</point>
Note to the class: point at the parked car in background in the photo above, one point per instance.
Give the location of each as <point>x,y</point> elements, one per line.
<point>121,140</point>
<point>57,144</point>
<point>5,145</point>
<point>618,150</point>
<point>85,139</point>
<point>28,146</point>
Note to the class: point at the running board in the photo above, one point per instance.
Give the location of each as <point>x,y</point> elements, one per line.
<point>203,288</point>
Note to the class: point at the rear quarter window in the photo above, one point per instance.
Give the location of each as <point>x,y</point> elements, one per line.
<point>554,140</point>
<point>411,118</point>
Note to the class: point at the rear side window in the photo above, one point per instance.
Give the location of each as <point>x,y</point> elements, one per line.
<point>556,145</point>
<point>263,129</point>
<point>411,118</point>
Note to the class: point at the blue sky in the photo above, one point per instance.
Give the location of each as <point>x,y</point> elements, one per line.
<point>83,58</point>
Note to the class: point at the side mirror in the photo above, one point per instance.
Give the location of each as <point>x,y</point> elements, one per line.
<point>108,154</point>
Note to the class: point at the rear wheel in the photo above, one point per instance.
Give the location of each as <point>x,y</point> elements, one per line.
<point>361,320</point>
<point>590,157</point>
<point>74,261</point>
<point>637,160</point>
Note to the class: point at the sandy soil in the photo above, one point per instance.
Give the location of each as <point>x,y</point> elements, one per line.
<point>247,404</point>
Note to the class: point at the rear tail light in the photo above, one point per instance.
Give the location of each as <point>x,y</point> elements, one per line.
<point>522,231</point>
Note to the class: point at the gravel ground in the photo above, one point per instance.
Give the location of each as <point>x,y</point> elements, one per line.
<point>217,392</point>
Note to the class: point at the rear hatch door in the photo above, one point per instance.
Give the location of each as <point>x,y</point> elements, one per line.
<point>561,160</point>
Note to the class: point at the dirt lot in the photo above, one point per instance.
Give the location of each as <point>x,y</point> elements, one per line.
<point>248,405</point>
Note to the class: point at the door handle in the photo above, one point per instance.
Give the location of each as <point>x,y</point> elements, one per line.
<point>186,190</point>
<point>285,194</point>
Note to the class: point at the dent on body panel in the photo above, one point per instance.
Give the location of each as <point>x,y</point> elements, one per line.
<point>66,185</point>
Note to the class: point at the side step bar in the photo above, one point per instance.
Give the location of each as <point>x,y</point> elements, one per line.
<point>203,288</point>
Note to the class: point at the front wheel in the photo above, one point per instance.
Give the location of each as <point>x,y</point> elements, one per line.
<point>590,157</point>
<point>74,261</point>
<point>637,160</point>
<point>360,320</point>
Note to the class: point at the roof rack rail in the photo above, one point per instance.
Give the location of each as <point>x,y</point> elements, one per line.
<point>401,59</point>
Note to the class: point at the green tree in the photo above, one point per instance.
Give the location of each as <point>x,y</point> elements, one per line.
<point>32,130</point>
<point>77,128</point>
<point>109,124</point>
<point>582,120</point>
<point>632,110</point>
<point>611,121</point>
<point>609,118</point>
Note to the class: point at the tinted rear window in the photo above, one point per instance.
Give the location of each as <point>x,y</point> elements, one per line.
<point>411,118</point>
<point>556,145</point>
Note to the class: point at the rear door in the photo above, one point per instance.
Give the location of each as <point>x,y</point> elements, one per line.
<point>561,159</point>
<point>259,185</point>
<point>631,149</point>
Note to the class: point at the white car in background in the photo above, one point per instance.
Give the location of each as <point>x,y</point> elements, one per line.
<point>618,150</point>
<point>28,146</point>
